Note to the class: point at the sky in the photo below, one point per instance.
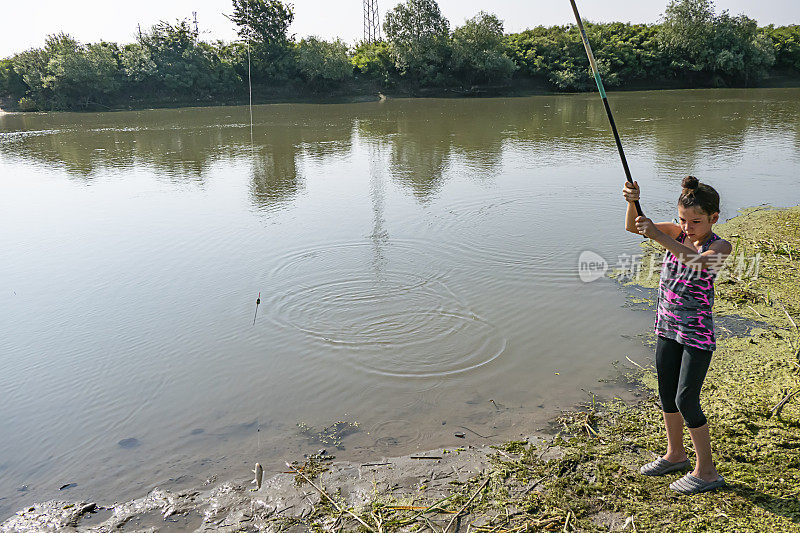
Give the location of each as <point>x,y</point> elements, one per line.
<point>25,25</point>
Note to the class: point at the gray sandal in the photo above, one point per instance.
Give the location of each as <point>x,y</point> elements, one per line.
<point>690,484</point>
<point>661,466</point>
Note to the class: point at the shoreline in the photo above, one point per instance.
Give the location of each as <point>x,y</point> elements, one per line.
<point>523,89</point>
<point>583,478</point>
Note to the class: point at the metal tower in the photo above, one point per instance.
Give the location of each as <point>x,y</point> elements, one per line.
<point>372,21</point>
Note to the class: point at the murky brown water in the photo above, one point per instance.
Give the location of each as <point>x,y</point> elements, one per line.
<point>416,258</point>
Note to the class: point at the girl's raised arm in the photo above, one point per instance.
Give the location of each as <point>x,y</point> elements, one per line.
<point>631,193</point>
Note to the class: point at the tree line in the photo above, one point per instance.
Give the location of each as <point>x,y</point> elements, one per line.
<point>692,45</point>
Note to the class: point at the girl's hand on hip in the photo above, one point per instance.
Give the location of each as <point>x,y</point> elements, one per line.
<point>631,191</point>
<point>646,227</point>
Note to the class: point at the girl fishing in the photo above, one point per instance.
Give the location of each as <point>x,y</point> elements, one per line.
<point>684,326</point>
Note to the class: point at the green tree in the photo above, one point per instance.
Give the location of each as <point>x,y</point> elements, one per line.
<point>374,61</point>
<point>323,64</point>
<point>138,64</point>
<point>686,31</point>
<point>11,83</point>
<point>786,45</point>
<point>479,51</point>
<point>170,59</point>
<point>721,46</point>
<point>555,54</point>
<point>263,26</point>
<point>82,75</point>
<point>31,66</point>
<point>65,74</point>
<point>741,51</point>
<point>221,60</point>
<point>265,21</point>
<point>625,53</point>
<point>418,35</point>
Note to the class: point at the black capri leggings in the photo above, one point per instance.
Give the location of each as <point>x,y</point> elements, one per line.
<point>681,371</point>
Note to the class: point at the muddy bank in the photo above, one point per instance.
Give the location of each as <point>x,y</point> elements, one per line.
<point>309,495</point>
<point>584,477</point>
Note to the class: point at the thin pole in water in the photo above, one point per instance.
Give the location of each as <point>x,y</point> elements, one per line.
<point>602,90</point>
<point>258,301</point>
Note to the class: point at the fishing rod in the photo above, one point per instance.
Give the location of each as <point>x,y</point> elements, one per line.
<point>602,90</point>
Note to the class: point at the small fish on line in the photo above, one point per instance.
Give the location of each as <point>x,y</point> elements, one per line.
<point>259,474</point>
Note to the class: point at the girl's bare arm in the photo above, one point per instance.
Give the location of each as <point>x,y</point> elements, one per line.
<point>631,194</point>
<point>716,254</point>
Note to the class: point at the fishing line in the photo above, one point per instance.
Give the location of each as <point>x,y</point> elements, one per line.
<point>250,104</point>
<point>252,157</point>
<point>249,77</point>
<point>602,90</point>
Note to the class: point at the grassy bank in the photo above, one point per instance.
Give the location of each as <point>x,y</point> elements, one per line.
<point>586,478</point>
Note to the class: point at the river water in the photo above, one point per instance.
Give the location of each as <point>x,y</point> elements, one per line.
<point>415,258</point>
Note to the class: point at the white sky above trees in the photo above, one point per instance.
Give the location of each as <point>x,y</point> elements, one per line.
<point>26,24</point>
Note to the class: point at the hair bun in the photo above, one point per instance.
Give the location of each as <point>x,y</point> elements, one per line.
<point>690,183</point>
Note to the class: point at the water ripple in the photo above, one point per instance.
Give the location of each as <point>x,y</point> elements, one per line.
<point>389,321</point>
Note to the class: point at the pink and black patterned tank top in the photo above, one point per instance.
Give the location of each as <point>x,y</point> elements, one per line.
<point>685,299</point>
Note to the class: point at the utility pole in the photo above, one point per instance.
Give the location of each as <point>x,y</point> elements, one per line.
<point>194,16</point>
<point>372,22</point>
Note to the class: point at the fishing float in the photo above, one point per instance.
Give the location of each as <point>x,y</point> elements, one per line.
<point>258,301</point>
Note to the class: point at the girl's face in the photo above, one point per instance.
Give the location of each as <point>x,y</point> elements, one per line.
<point>695,222</point>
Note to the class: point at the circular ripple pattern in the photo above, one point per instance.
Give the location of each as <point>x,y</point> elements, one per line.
<point>379,318</point>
